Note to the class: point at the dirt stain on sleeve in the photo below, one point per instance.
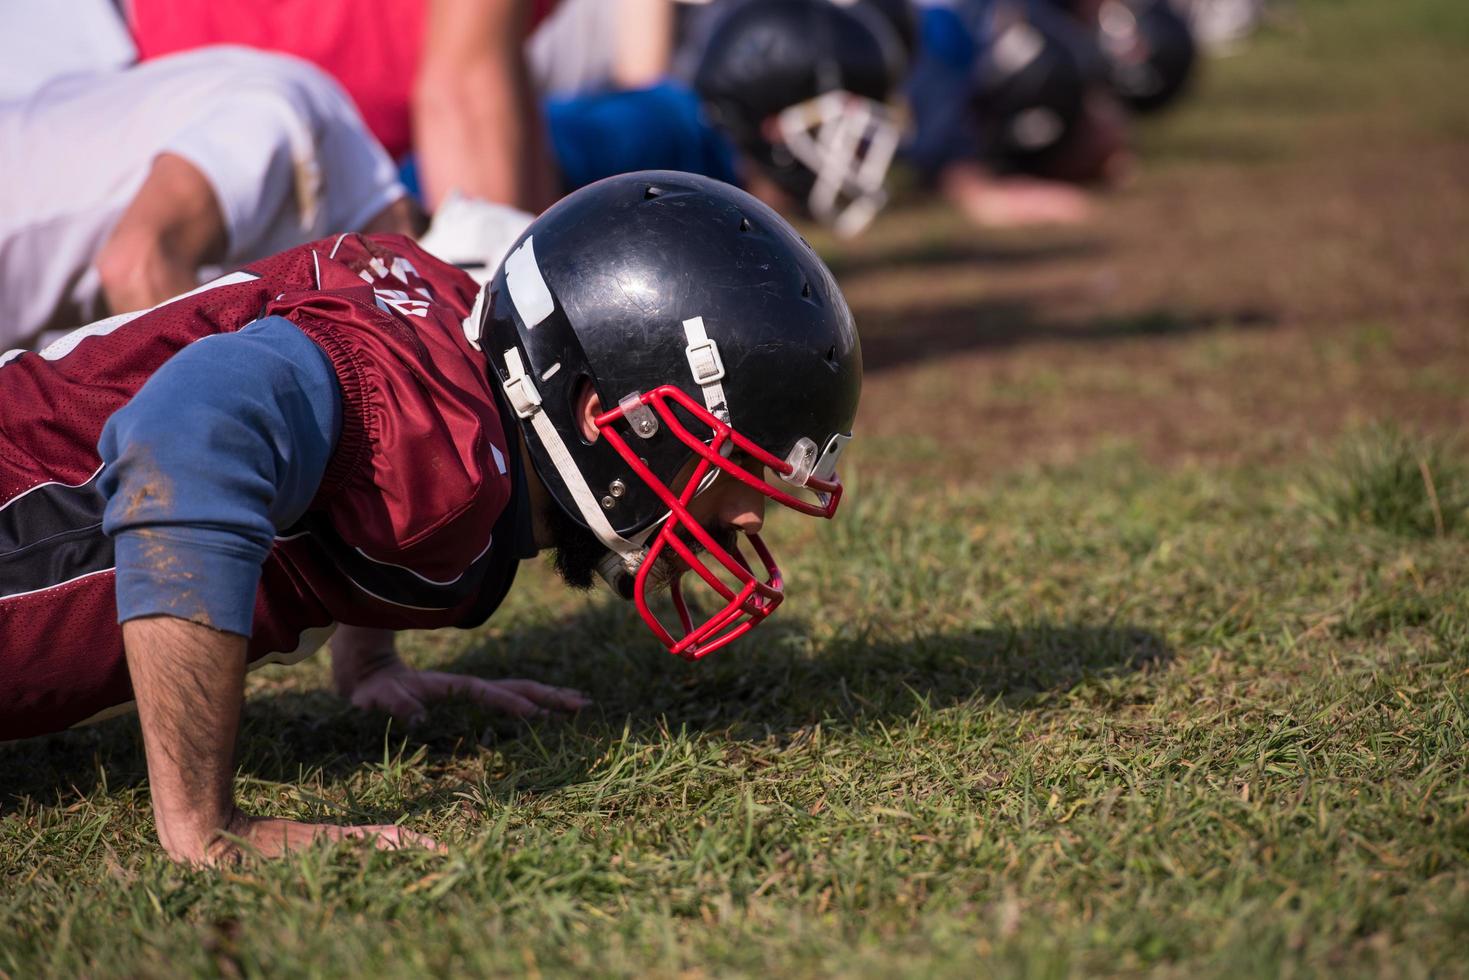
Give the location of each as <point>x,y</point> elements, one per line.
<point>147,490</point>
<point>148,495</point>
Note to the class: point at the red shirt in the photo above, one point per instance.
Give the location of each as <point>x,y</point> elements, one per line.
<point>372,49</point>
<point>417,523</point>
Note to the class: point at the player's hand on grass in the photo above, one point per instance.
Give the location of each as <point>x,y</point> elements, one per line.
<point>269,837</point>
<point>367,672</point>
<point>406,693</point>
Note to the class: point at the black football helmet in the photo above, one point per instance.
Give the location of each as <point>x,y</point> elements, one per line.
<point>802,87</point>
<point>1150,51</point>
<point>1030,92</point>
<point>717,342</point>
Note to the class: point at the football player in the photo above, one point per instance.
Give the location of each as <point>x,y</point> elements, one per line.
<point>350,432</point>
<point>804,90</point>
<point>125,188</point>
<point>1011,107</point>
<point>788,98</point>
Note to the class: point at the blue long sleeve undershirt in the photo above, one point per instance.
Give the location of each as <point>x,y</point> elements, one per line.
<point>940,87</point>
<point>225,445</point>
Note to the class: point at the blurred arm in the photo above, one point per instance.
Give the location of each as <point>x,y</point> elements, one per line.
<point>644,42</point>
<point>172,227</point>
<point>399,218</point>
<point>476,123</point>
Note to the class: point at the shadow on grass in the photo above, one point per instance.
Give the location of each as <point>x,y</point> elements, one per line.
<point>773,685</point>
<point>892,339</point>
<point>933,254</point>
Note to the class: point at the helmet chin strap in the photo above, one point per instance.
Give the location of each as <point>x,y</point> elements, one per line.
<point>617,572</point>
<point>526,401</point>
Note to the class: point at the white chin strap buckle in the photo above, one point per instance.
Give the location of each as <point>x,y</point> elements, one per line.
<point>706,367</point>
<point>520,389</point>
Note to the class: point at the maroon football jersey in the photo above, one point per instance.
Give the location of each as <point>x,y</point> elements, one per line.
<point>419,522</point>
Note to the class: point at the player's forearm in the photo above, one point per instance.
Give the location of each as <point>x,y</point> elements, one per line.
<point>137,274</point>
<point>401,217</point>
<point>172,227</point>
<point>189,683</point>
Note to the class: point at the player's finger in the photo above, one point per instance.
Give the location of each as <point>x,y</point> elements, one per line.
<point>391,837</point>
<point>486,693</point>
<point>561,698</point>
<point>395,700</point>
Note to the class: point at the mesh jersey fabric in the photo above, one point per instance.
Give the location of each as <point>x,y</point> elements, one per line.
<point>419,521</point>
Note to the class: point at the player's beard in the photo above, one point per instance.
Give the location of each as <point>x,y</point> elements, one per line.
<point>576,552</point>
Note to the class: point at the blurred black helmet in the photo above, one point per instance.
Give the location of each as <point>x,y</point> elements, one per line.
<point>899,15</point>
<point>1031,89</point>
<point>1150,51</point>
<point>717,342</point>
<point>802,87</point>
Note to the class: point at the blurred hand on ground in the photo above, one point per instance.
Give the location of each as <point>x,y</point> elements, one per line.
<point>1013,201</point>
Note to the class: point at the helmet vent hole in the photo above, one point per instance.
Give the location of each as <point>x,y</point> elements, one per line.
<point>805,290</point>
<point>744,224</point>
<point>831,354</point>
<point>652,192</point>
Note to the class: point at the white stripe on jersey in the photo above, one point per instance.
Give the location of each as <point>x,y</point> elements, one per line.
<point>65,345</point>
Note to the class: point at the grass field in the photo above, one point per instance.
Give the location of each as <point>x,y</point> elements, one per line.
<point>1142,645</point>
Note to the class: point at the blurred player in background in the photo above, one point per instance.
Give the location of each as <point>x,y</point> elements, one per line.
<point>1011,110</point>
<point>447,78</point>
<point>789,98</point>
<point>125,188</point>
<point>805,92</point>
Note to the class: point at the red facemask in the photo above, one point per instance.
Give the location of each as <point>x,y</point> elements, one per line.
<point>747,597</point>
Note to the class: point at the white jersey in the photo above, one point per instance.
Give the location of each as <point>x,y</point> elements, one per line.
<point>49,39</point>
<point>279,142</point>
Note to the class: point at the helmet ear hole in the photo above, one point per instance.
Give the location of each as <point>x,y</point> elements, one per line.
<point>744,224</point>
